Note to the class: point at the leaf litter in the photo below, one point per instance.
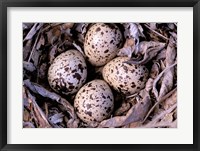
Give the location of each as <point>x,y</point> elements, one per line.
<point>151,44</point>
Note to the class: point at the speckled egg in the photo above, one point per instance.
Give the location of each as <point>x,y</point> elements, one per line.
<point>68,72</point>
<point>125,78</point>
<point>102,43</point>
<point>94,102</point>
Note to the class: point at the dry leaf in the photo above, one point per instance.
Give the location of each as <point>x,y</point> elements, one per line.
<point>127,49</point>
<point>53,35</point>
<point>28,125</point>
<point>28,66</point>
<point>133,30</point>
<point>167,81</point>
<point>135,114</point>
<point>155,70</point>
<point>41,42</point>
<point>170,101</point>
<point>51,95</point>
<point>155,91</point>
<point>124,107</point>
<point>52,53</point>
<point>158,117</point>
<point>27,49</point>
<point>149,84</point>
<point>33,31</point>
<point>148,50</point>
<point>56,118</point>
<point>38,113</point>
<point>65,26</point>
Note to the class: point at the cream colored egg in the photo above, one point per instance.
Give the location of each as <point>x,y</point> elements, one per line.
<point>68,72</point>
<point>94,102</point>
<point>102,43</point>
<point>125,78</point>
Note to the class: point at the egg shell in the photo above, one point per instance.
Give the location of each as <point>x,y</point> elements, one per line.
<point>94,102</point>
<point>68,72</point>
<point>102,43</point>
<point>125,78</point>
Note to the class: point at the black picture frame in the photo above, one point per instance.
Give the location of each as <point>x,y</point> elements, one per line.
<point>4,146</point>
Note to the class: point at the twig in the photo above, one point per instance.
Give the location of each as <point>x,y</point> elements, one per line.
<point>156,32</point>
<point>37,111</point>
<point>172,125</point>
<point>46,109</point>
<point>33,49</point>
<point>158,78</point>
<point>159,101</point>
<point>158,117</point>
<point>50,26</point>
<point>33,31</point>
<point>132,95</point>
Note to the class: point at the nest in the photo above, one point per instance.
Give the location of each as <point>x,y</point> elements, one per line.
<point>151,44</point>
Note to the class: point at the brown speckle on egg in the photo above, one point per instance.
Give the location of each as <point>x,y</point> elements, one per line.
<point>102,43</point>
<point>68,72</point>
<point>95,101</point>
<point>123,77</point>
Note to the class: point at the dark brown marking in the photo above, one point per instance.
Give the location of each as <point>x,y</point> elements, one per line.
<point>106,51</point>
<point>91,97</point>
<point>80,67</point>
<point>132,71</point>
<point>118,45</point>
<point>90,84</point>
<point>98,29</point>
<point>77,76</point>
<point>133,85</point>
<point>88,106</point>
<point>141,78</point>
<point>88,113</point>
<point>73,70</point>
<point>125,68</point>
<point>108,110</point>
<point>71,87</point>
<point>67,68</point>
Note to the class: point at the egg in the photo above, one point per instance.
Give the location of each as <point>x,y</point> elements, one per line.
<point>68,72</point>
<point>94,102</point>
<point>102,43</point>
<point>125,78</point>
